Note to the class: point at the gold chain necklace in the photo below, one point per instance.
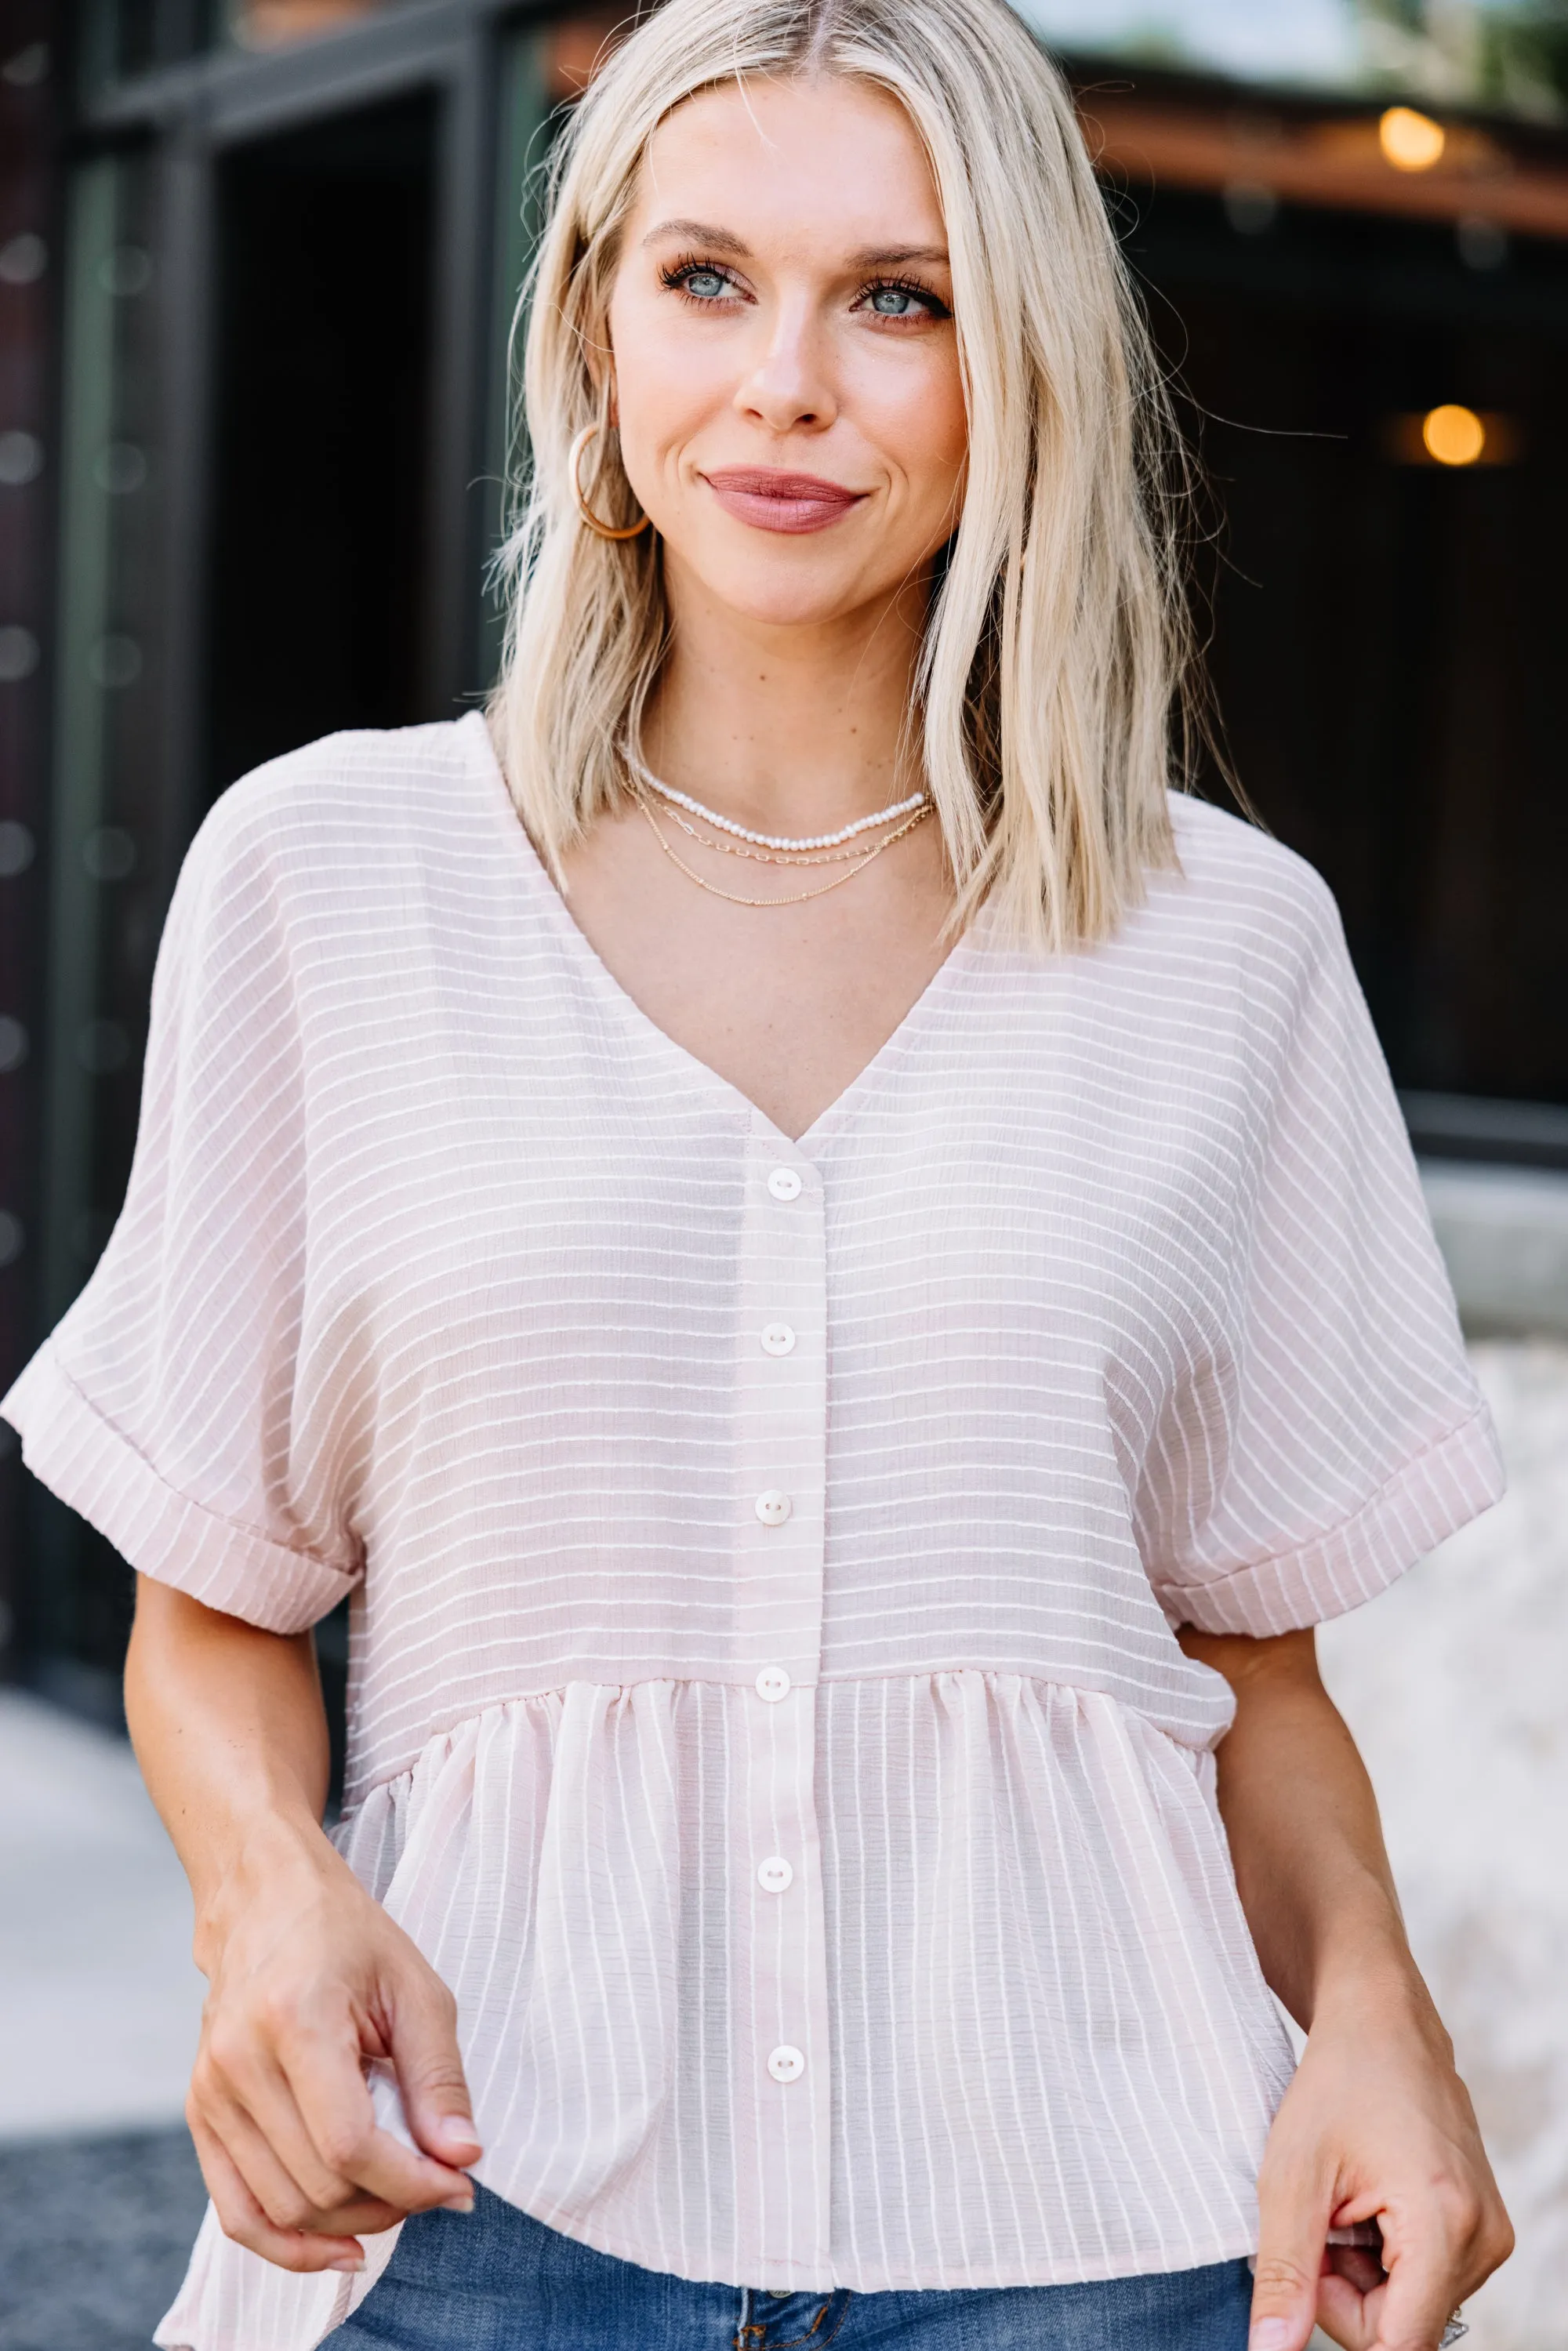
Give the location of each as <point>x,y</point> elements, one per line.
<point>733,898</point>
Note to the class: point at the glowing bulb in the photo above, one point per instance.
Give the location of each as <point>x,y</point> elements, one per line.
<point>1453,435</point>
<point>1410,141</point>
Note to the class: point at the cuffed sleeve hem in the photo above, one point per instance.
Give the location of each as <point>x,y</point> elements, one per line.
<point>1440,1490</point>
<point>68,1445</point>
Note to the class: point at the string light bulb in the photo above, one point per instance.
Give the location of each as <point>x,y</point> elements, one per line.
<point>1409,140</point>
<point>1453,435</point>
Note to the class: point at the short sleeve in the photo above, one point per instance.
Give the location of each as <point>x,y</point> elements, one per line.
<point>166,1405</point>
<point>1335,1433</point>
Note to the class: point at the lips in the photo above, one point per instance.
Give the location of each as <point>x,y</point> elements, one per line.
<point>769,500</point>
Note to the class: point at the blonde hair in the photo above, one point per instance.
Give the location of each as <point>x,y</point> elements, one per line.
<point>1052,683</point>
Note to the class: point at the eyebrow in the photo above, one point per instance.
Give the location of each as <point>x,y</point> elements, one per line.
<point>724,240</point>
<point>893,257</point>
<point>695,232</point>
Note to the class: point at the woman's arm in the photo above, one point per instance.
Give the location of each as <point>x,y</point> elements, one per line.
<point>1376,2124</point>
<point>309,1978</point>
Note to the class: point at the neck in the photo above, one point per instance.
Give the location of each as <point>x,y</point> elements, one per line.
<point>787,729</point>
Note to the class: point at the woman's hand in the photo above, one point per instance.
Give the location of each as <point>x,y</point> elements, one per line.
<point>1376,2126</point>
<point>310,1981</point>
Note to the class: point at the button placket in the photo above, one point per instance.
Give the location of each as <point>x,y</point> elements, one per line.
<point>781,2044</point>
<point>781,1416</point>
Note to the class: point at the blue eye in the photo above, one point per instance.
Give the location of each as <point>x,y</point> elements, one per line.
<point>892,301</point>
<point>705,283</point>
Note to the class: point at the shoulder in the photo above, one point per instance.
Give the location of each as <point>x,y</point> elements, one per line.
<point>349,790</point>
<point>314,848</point>
<point>1227,861</point>
<point>341,828</point>
<point>1238,947</point>
<point>1243,893</point>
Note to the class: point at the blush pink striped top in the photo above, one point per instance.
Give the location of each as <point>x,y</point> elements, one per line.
<point>763,1556</point>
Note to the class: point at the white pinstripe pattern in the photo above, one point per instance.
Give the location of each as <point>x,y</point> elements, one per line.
<point>440,1282</point>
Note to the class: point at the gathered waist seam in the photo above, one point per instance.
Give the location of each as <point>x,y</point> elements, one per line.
<point>557,1692</point>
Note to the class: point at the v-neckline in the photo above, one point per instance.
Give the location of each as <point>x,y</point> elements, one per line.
<point>633,1016</point>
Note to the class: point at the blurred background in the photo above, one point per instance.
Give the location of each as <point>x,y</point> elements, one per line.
<point>259,260</point>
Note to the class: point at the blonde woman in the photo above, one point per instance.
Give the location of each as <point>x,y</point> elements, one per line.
<point>836,1274</point>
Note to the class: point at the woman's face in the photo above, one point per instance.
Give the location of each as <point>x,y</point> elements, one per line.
<point>786,370</point>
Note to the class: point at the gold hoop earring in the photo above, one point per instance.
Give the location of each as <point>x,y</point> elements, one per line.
<point>599,530</point>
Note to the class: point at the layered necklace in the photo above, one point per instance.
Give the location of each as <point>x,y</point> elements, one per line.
<point>846,847</point>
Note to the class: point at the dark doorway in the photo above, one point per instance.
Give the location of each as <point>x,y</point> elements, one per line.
<point>315,617</point>
<point>1388,633</point>
<point>323,422</point>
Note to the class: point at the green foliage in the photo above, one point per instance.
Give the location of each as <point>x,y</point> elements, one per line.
<point>1524,56</point>
<point>1511,55</point>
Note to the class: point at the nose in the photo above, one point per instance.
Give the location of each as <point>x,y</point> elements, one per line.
<point>790,385</point>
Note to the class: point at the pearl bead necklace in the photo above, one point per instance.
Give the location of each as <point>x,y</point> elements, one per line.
<point>771,839</point>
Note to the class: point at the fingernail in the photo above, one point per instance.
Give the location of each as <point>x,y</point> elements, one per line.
<point>455,2132</point>
<point>1270,2335</point>
<point>349,2262</point>
<point>457,2203</point>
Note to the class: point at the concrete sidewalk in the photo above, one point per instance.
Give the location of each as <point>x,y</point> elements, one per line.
<point>94,2239</point>
<point>99,2005</point>
<point>100,1999</point>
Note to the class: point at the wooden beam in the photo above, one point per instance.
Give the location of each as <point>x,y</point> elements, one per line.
<point>1337,162</point>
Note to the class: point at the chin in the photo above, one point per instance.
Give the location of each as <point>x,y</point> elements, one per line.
<point>786,595</point>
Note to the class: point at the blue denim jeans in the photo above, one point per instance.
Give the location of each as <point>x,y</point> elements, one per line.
<point>496,2279</point>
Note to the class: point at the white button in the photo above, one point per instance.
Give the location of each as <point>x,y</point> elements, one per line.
<point>772,1682</point>
<point>778,1339</point>
<point>786,2064</point>
<point>773,1508</point>
<point>775,1875</point>
<point>784,1183</point>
